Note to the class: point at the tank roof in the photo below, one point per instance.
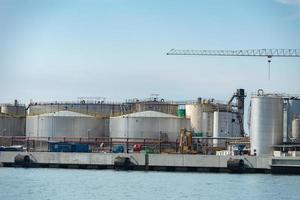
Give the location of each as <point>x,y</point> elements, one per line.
<point>153,114</point>
<point>64,113</point>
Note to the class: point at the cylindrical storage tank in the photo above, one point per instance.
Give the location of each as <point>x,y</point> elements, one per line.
<point>201,117</point>
<point>226,124</point>
<point>12,126</point>
<point>207,123</point>
<point>66,124</point>
<point>292,112</point>
<point>266,123</point>
<point>194,113</point>
<point>147,124</point>
<point>296,129</point>
<point>181,113</point>
<point>13,110</point>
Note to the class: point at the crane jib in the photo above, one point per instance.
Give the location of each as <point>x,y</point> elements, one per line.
<point>251,52</point>
<point>269,53</point>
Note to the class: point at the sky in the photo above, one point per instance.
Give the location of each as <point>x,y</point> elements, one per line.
<point>63,49</point>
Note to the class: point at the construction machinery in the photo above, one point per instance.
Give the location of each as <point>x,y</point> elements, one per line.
<point>185,142</point>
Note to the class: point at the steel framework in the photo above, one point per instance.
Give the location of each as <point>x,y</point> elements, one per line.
<point>250,52</point>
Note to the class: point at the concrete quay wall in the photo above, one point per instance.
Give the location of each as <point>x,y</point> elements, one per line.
<point>139,159</point>
<point>185,160</point>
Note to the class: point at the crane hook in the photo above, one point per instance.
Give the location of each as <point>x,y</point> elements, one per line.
<point>269,67</point>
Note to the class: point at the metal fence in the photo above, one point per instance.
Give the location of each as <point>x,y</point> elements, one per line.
<point>102,144</point>
<point>201,145</point>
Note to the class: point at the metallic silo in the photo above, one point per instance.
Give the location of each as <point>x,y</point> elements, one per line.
<point>266,123</point>
<point>147,124</point>
<point>296,129</point>
<point>207,123</point>
<point>11,125</point>
<point>201,116</point>
<point>226,124</point>
<point>292,112</point>
<point>12,119</point>
<point>66,124</point>
<point>13,110</point>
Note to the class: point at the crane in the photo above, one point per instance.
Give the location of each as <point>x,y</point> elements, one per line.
<point>269,53</point>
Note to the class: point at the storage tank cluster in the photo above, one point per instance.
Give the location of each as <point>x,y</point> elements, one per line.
<point>91,118</point>
<point>211,119</point>
<point>147,124</point>
<point>271,116</point>
<point>274,119</point>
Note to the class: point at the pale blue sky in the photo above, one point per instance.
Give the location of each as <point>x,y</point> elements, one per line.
<point>62,49</point>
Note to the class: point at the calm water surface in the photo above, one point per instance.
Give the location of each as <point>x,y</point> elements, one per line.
<point>36,184</point>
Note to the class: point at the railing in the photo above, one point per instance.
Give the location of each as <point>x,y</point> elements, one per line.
<point>75,102</point>
<point>279,94</point>
<point>107,144</point>
<point>107,102</point>
<point>101,144</point>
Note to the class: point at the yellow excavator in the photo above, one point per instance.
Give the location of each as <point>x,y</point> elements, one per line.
<point>185,143</point>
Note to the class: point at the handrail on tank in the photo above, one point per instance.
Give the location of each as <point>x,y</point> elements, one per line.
<point>79,138</point>
<point>261,92</point>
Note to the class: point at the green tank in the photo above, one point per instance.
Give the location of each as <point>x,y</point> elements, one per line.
<point>181,113</point>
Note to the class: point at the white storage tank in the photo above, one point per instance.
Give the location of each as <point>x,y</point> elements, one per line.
<point>201,116</point>
<point>207,123</point>
<point>292,112</point>
<point>13,110</point>
<point>11,125</point>
<point>147,124</point>
<point>66,124</point>
<point>226,124</point>
<point>296,129</point>
<point>266,123</point>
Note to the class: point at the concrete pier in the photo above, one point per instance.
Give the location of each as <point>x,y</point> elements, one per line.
<point>156,162</point>
<point>160,162</point>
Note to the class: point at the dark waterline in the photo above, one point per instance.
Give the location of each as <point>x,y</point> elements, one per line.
<point>36,184</point>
